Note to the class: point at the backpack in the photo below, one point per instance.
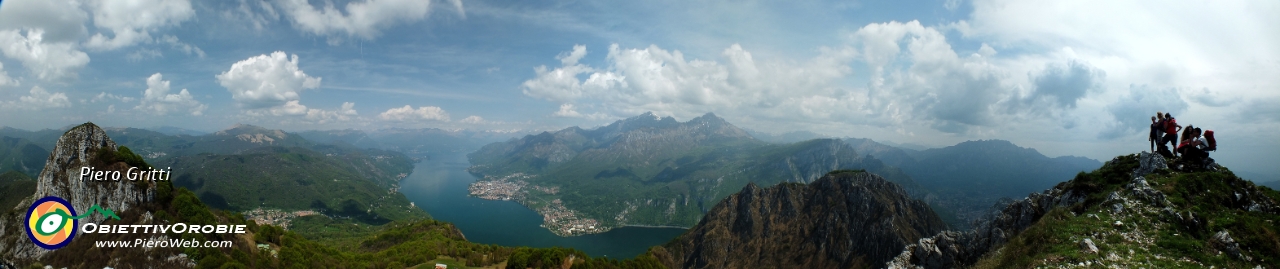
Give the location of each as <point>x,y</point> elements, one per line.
<point>1213,143</point>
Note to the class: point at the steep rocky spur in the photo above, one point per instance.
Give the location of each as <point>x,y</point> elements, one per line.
<point>86,145</point>
<point>846,219</point>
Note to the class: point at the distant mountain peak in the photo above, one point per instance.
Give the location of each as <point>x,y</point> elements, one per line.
<point>242,127</point>
<point>709,117</point>
<point>253,134</point>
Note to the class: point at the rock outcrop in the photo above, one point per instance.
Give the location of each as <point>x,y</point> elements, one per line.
<point>953,249</point>
<point>843,220</point>
<point>79,147</point>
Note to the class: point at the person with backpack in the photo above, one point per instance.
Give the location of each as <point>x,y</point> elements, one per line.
<point>1197,149</point>
<point>1171,129</point>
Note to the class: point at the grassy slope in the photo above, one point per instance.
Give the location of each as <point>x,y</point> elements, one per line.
<point>1147,236</point>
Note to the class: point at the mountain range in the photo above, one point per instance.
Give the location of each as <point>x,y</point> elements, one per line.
<point>965,180</point>
<point>650,170</point>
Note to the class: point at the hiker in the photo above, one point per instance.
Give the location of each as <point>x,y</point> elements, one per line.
<point>1154,137</point>
<point>1188,134</point>
<point>1161,123</point>
<point>1196,151</point>
<point>1171,129</point>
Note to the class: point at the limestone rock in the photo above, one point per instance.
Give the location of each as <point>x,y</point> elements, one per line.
<point>1148,163</point>
<point>1222,241</point>
<point>1087,246</point>
<point>952,249</point>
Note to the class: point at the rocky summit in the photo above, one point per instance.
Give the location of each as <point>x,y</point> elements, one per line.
<point>845,219</point>
<point>1134,212</point>
<point>83,146</point>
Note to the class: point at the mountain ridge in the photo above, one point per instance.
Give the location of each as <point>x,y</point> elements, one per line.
<point>650,170</point>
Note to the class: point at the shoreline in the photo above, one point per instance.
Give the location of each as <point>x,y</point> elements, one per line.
<point>654,226</point>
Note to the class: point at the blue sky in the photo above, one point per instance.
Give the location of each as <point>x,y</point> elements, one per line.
<point>1067,78</point>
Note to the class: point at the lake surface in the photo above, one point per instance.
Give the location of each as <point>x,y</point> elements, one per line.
<point>439,186</point>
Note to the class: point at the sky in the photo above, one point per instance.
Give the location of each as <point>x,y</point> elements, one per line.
<point>1076,78</point>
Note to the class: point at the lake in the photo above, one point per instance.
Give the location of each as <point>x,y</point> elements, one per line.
<point>439,186</point>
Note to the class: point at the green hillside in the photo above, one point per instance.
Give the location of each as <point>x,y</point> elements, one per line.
<point>22,155</point>
<point>15,186</point>
<point>354,185</point>
<point>1183,220</point>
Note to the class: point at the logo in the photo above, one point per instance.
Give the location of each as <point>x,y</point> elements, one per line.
<point>52,221</point>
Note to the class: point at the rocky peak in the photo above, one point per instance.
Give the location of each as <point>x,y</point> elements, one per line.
<point>81,147</point>
<point>86,145</point>
<point>846,219</point>
<point>1132,185</point>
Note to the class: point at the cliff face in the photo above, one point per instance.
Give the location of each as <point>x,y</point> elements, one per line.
<point>79,147</point>
<point>842,220</point>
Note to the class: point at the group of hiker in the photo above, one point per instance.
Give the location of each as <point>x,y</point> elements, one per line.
<point>1194,146</point>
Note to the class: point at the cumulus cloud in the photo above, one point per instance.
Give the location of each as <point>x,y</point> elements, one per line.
<point>665,82</point>
<point>568,111</point>
<point>938,86</point>
<point>1215,45</point>
<point>46,60</point>
<point>131,22</point>
<point>1059,87</point>
<point>268,81</point>
<point>363,19</point>
<point>473,119</point>
<point>1132,112</point>
<point>60,20</point>
<point>38,98</point>
<point>345,113</point>
<point>157,99</point>
<point>272,85</point>
<point>5,80</point>
<point>408,113</point>
<point>1067,84</point>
